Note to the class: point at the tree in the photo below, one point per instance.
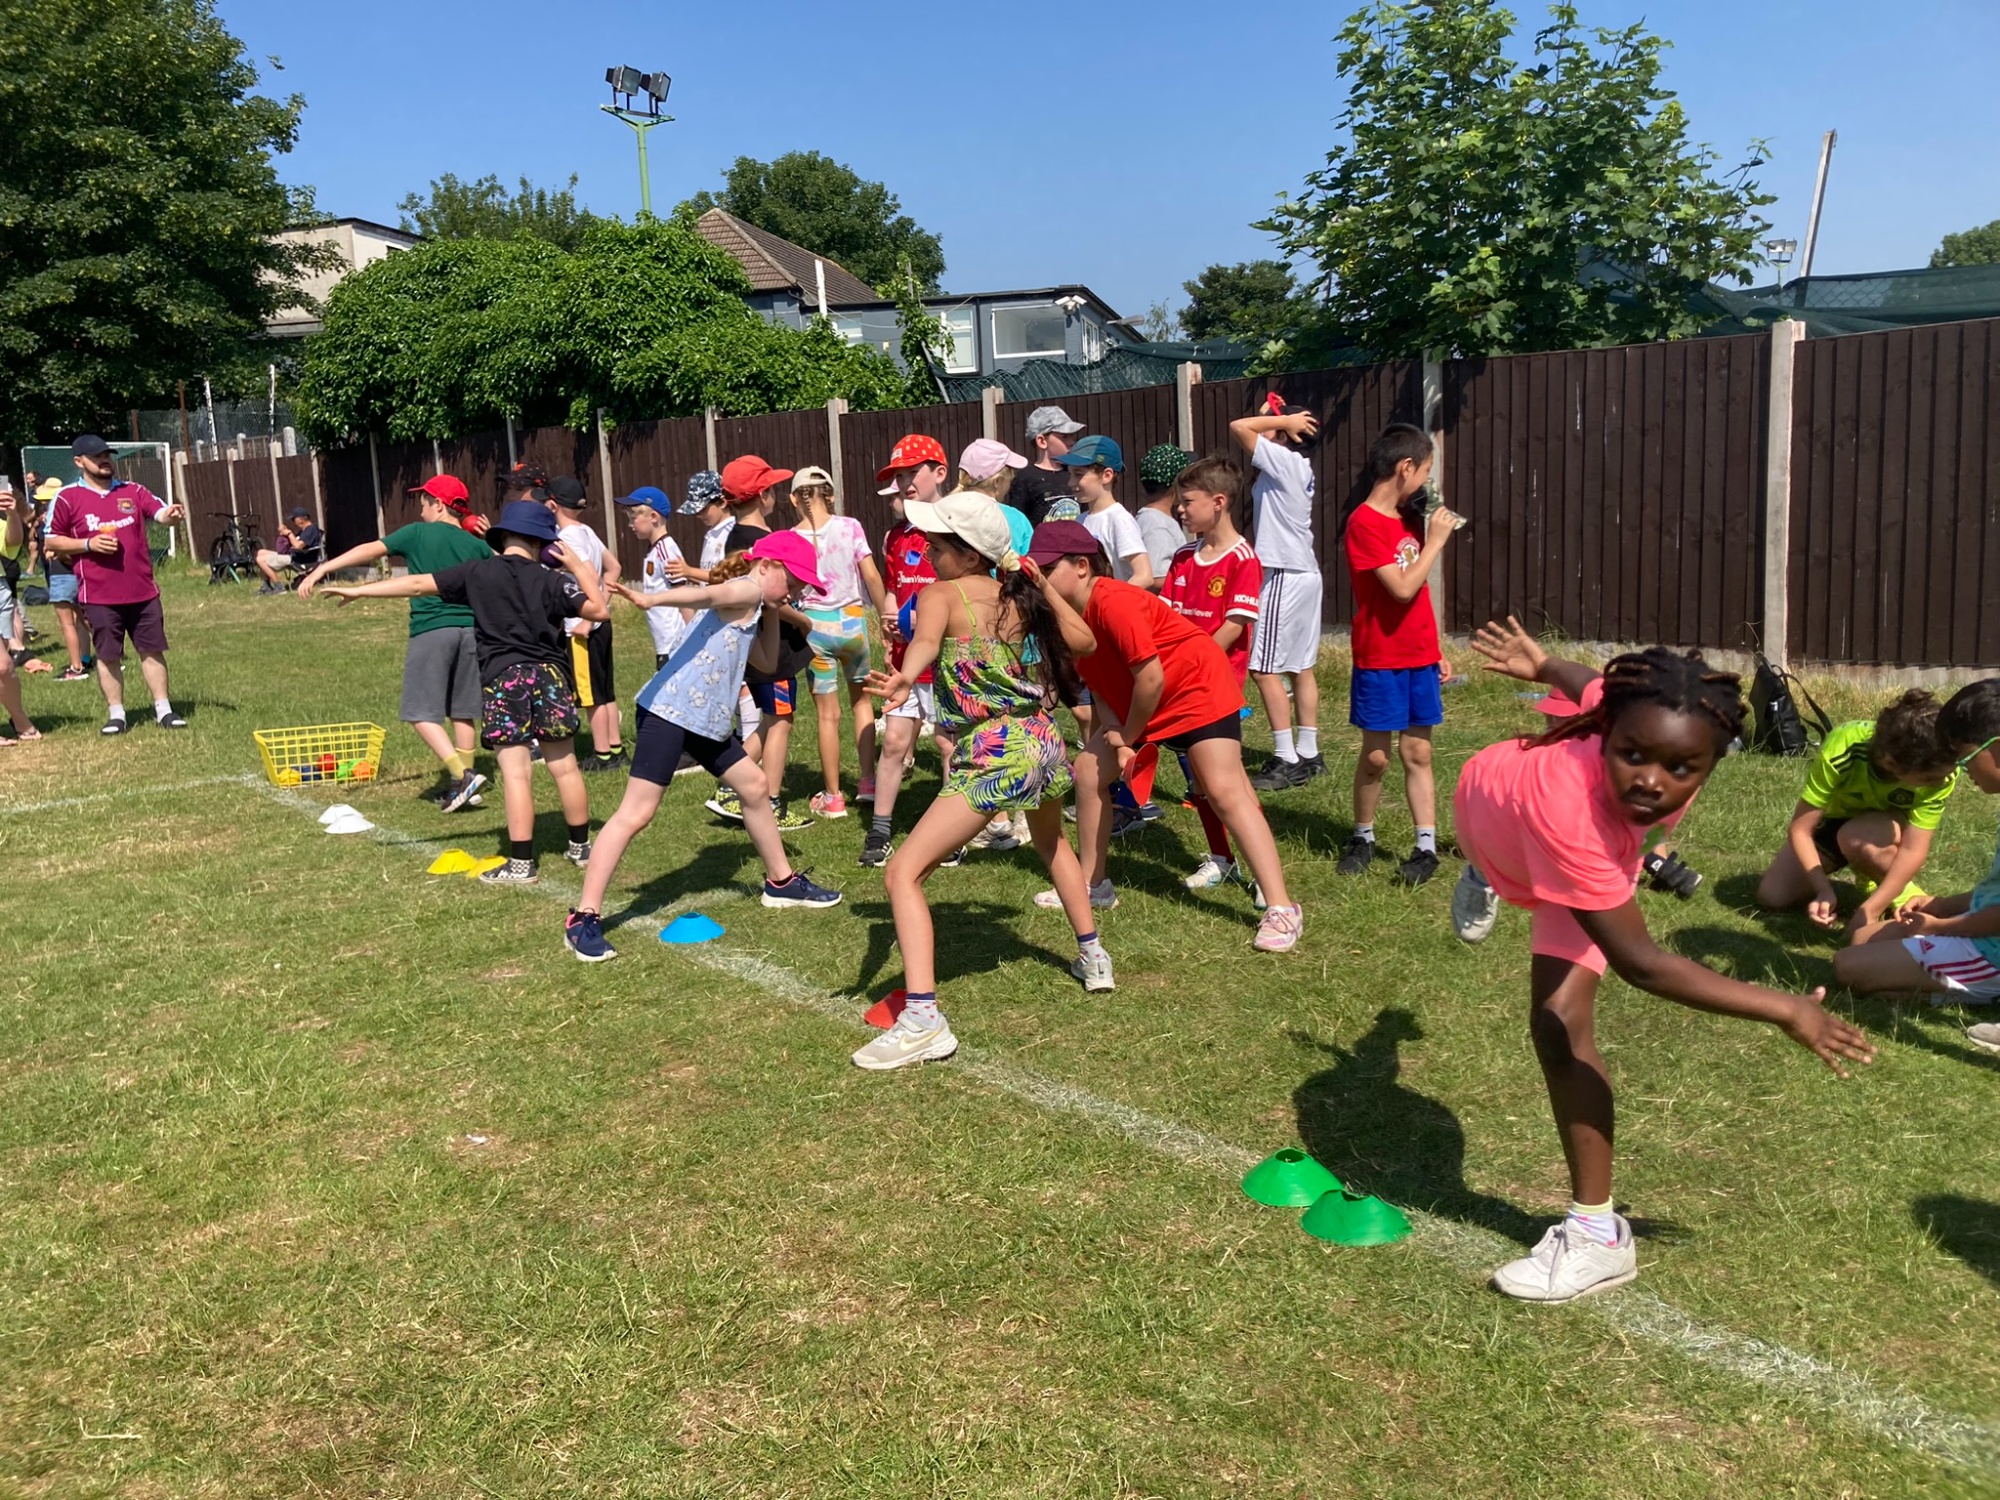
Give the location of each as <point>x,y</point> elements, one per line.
<point>483,210</point>
<point>138,205</point>
<point>1162,325</point>
<point>815,201</point>
<point>1970,247</point>
<point>1486,207</point>
<point>642,320</point>
<point>1252,301</point>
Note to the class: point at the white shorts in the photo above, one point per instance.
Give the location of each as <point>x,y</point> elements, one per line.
<point>921,704</point>
<point>1958,965</point>
<point>1286,635</point>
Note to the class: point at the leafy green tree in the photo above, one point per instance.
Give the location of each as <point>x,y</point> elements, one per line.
<point>1970,247</point>
<point>138,201</point>
<point>1252,301</point>
<point>815,201</point>
<point>642,320</point>
<point>1485,206</point>
<point>484,210</point>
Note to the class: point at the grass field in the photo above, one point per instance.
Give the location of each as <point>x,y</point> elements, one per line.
<point>321,1176</point>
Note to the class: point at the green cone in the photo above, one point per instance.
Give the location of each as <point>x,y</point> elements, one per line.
<point>1289,1179</point>
<point>1351,1219</point>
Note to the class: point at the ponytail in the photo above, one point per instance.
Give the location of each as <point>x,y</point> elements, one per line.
<point>1021,599</point>
<point>735,566</point>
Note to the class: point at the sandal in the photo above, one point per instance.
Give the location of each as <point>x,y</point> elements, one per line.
<point>172,721</point>
<point>30,733</point>
<point>114,726</point>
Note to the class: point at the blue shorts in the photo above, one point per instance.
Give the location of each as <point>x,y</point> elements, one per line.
<point>62,588</point>
<point>1392,698</point>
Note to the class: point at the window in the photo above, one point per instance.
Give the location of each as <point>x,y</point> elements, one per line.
<point>1029,332</point>
<point>964,356</point>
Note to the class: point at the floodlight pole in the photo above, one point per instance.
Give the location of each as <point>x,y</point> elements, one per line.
<point>640,123</point>
<point>1818,202</point>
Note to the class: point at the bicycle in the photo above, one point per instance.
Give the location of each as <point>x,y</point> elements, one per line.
<point>232,556</point>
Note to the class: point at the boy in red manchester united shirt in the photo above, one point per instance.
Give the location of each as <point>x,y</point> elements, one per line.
<point>1396,687</point>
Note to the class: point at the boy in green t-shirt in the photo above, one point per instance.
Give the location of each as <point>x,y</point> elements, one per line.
<point>1871,802</point>
<point>440,671</point>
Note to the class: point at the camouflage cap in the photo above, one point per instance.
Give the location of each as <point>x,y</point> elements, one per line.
<point>1163,463</point>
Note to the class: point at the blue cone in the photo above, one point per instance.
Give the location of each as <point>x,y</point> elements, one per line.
<point>692,928</point>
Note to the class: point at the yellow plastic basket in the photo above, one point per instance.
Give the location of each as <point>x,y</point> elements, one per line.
<point>321,752</point>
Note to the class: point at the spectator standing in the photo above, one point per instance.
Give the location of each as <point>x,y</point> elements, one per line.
<point>13,541</point>
<point>62,580</point>
<point>1042,491</point>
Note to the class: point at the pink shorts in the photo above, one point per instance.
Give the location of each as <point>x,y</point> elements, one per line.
<point>1554,932</point>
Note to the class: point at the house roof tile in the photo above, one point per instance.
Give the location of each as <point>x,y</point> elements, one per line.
<point>774,264</point>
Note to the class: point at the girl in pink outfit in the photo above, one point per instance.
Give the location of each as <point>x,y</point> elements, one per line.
<point>1556,824</point>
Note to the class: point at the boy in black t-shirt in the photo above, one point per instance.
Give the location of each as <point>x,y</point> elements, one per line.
<point>518,608</point>
<point>1042,491</point>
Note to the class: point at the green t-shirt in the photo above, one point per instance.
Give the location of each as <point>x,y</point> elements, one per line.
<point>1844,783</point>
<point>431,547</point>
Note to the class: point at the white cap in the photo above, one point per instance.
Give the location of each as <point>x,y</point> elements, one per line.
<point>974,519</point>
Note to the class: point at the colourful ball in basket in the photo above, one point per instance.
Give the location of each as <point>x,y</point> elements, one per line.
<point>344,771</point>
<point>289,776</point>
<point>307,773</point>
<point>328,764</point>
<point>364,770</point>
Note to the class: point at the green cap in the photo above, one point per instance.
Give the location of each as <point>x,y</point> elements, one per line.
<point>1289,1179</point>
<point>1348,1218</point>
<point>1163,463</point>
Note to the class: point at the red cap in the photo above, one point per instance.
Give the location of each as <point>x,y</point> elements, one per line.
<point>1558,705</point>
<point>747,477</point>
<point>447,491</point>
<point>911,451</point>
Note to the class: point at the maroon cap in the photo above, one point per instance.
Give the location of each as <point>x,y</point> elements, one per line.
<point>1055,540</point>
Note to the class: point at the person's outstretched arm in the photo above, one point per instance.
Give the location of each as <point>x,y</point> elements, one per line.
<point>353,557</point>
<point>409,586</point>
<point>1512,652</point>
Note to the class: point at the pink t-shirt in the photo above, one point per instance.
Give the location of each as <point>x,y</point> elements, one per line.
<point>1539,823</point>
<point>842,547</point>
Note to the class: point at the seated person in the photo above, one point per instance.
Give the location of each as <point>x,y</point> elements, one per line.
<point>1871,802</point>
<point>299,547</point>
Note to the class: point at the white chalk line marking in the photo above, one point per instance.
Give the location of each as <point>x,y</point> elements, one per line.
<point>122,793</point>
<point>1897,1415</point>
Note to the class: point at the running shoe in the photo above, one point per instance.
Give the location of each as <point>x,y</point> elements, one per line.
<point>1985,1035</point>
<point>1313,765</point>
<point>908,1041</point>
<point>1102,896</point>
<point>578,854</point>
<point>1475,906</point>
<point>461,792</point>
<point>583,935</point>
<point>790,819</point>
<point>514,872</point>
<point>73,674</point>
<point>997,835</point>
<point>725,804</point>
<point>1570,1262</point>
<point>1356,857</point>
<point>954,859</point>
<point>1280,775</point>
<point>1210,873</point>
<point>1419,867</point>
<point>1093,970</point>
<point>828,805</point>
<point>799,891</point>
<point>1125,821</point>
<point>1280,930</point>
<point>874,851</point>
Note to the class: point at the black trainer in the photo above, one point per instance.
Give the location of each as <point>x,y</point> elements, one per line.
<point>1280,775</point>
<point>874,851</point>
<point>1315,765</point>
<point>1356,857</point>
<point>1418,868</point>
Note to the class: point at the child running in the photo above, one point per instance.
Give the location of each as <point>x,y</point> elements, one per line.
<point>1944,945</point>
<point>1872,801</point>
<point>839,636</point>
<point>689,707</point>
<point>1157,678</point>
<point>1557,824</point>
<point>977,629</point>
<point>518,608</point>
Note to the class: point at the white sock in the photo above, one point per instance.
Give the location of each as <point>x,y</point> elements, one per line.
<point>163,707</point>
<point>1365,831</point>
<point>1427,841</point>
<point>1597,1220</point>
<point>1308,738</point>
<point>922,1009</point>
<point>1281,745</point>
<point>116,711</point>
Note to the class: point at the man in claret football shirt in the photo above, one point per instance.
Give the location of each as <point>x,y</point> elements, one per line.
<point>98,526</point>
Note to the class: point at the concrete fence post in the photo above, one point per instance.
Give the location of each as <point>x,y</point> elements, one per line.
<point>437,457</point>
<point>835,407</point>
<point>990,398</point>
<point>708,434</point>
<point>1186,378</point>
<point>319,493</point>
<point>604,478</point>
<point>277,494</point>
<point>1785,338</point>
<point>1433,400</point>
<point>182,498</point>
<point>512,456</point>
<point>375,477</point>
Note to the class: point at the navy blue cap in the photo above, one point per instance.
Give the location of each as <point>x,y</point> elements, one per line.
<point>1094,452</point>
<point>646,494</point>
<point>90,445</point>
<point>529,518</point>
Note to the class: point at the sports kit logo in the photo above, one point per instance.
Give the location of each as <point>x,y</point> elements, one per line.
<point>1217,588</point>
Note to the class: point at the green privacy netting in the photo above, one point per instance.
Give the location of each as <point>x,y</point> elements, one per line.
<point>1861,303</point>
<point>1122,369</point>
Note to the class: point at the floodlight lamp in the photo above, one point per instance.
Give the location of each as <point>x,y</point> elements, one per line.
<point>622,80</point>
<point>1781,251</point>
<point>656,86</point>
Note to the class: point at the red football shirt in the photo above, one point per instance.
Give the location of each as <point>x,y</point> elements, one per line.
<point>121,577</point>
<point>1388,633</point>
<point>906,571</point>
<point>1210,593</point>
<point>1132,627</point>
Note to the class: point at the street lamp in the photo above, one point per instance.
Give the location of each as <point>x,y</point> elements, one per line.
<point>626,83</point>
<point>1780,253</point>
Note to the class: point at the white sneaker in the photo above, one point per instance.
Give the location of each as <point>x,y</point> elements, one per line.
<point>1570,1263</point>
<point>1102,896</point>
<point>1094,971</point>
<point>1475,906</point>
<point>1985,1035</point>
<point>997,835</point>
<point>908,1041</point>
<point>1210,873</point>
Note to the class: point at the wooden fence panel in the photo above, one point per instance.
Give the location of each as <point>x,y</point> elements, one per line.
<point>350,496</point>
<point>479,463</point>
<point>866,438</point>
<point>206,495</point>
<point>665,455</point>
<point>295,486</point>
<point>1896,498</point>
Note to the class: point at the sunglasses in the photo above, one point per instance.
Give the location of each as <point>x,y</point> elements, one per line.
<point>1968,760</point>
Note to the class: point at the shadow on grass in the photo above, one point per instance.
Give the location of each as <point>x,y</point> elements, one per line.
<point>715,864</point>
<point>1753,958</point>
<point>1934,1030</point>
<point>1968,1227</point>
<point>1376,1134</point>
<point>973,937</point>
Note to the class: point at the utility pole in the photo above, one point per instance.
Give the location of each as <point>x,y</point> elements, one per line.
<point>1819,201</point>
<point>625,84</point>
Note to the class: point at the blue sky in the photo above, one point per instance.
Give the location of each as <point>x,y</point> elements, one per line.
<point>1122,145</point>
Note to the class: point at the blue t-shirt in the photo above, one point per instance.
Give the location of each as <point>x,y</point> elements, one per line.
<point>1984,896</point>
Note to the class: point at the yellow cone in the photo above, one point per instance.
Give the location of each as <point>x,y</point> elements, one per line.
<point>451,862</point>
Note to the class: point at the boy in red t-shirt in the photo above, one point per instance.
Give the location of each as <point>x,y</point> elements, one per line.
<point>1156,678</point>
<point>1215,583</point>
<point>1396,686</point>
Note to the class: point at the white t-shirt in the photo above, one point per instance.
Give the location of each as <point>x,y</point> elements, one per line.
<point>715,542</point>
<point>582,543</point>
<point>1119,533</point>
<point>667,625</point>
<point>842,547</point>
<point>1281,497</point>
<point>1163,537</point>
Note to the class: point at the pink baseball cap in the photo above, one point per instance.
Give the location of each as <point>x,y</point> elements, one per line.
<point>986,457</point>
<point>795,552</point>
<point>1558,705</point>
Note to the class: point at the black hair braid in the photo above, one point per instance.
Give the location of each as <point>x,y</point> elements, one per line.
<point>1684,684</point>
<point>1021,597</point>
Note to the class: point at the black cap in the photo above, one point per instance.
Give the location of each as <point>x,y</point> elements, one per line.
<point>566,492</point>
<point>90,445</point>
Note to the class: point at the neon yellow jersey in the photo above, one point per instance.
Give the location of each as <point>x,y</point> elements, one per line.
<point>1843,782</point>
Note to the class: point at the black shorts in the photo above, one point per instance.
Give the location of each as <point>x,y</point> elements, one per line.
<point>1229,727</point>
<point>775,699</point>
<point>662,743</point>
<point>1826,839</point>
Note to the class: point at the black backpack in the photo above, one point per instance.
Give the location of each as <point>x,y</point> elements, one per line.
<point>1780,730</point>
